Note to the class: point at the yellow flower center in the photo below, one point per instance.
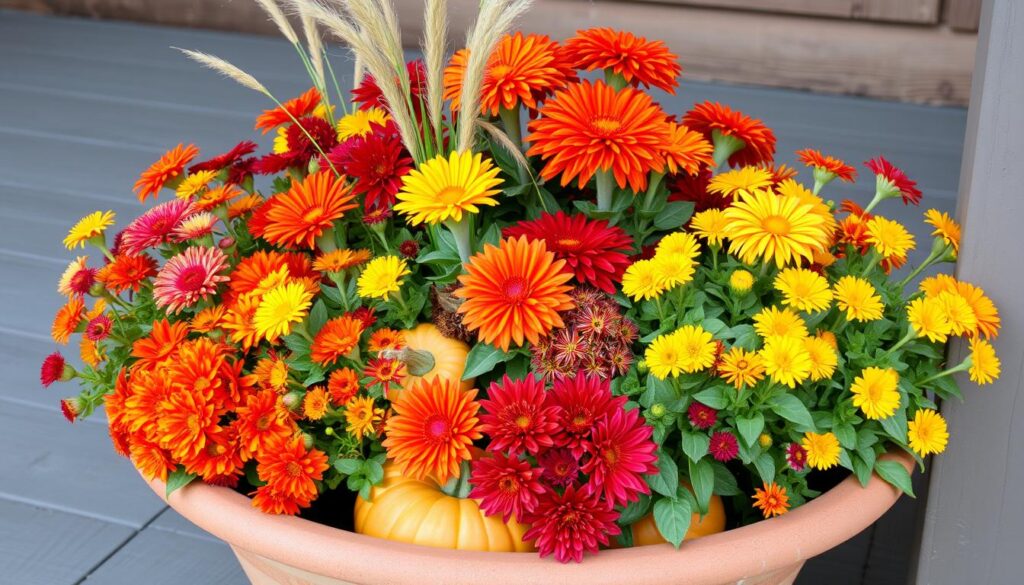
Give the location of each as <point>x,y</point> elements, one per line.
<point>569,243</point>
<point>313,216</point>
<point>776,225</point>
<point>293,469</point>
<point>522,421</point>
<point>451,195</point>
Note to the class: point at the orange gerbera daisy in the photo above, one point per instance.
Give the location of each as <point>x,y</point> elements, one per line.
<point>686,150</point>
<point>772,500</point>
<point>827,164</point>
<point>240,320</point>
<point>251,273</point>
<point>243,205</point>
<point>291,470</point>
<point>162,341</point>
<point>590,127</point>
<point>127,272</point>
<point>289,111</point>
<point>514,292</point>
<point>635,59</point>
<point>307,210</point>
<point>338,260</point>
<point>386,338</point>
<point>736,136</point>
<point>337,338</point>
<point>342,385</point>
<point>67,319</point>
<point>432,428</point>
<point>208,319</point>
<point>171,165</point>
<point>211,198</point>
<point>262,419</point>
<point>522,69</point>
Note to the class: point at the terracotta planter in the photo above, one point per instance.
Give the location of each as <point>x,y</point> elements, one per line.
<point>293,551</point>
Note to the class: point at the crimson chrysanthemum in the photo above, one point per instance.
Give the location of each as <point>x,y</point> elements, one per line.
<point>560,467</point>
<point>596,252</point>
<point>297,144</point>
<point>891,181</point>
<point>505,485</point>
<point>517,418</point>
<point>169,166</point>
<point>635,59</point>
<point>796,457</point>
<point>591,127</point>
<point>227,159</point>
<point>701,416</point>
<point>583,400</point>
<point>622,453</point>
<point>514,292</point>
<point>522,69</point>
<point>571,523</point>
<point>368,94</point>
<point>723,126</point>
<point>723,446</point>
<point>377,162</point>
<point>154,227</point>
<point>192,275</point>
<point>290,110</point>
<point>54,368</point>
<point>433,425</point>
<point>830,164</point>
<point>307,210</point>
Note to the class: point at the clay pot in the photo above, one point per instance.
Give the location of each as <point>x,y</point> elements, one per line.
<point>293,551</point>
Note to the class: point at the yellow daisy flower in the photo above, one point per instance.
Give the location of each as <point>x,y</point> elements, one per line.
<point>741,281</point>
<point>874,392</point>
<point>889,237</point>
<point>927,433</point>
<point>729,183</point>
<point>194,184</point>
<point>697,348</point>
<point>361,417</point>
<point>643,280</point>
<point>822,450</point>
<point>804,290</point>
<point>280,308</point>
<point>858,298</point>
<point>786,360</point>
<point>823,358</point>
<point>741,368</point>
<point>771,322</point>
<point>791,187</point>
<point>673,270</point>
<point>664,356</point>
<point>443,189</point>
<point>710,225</point>
<point>928,318</point>
<point>933,286</point>
<point>958,312</point>
<point>90,226</point>
<point>985,365</point>
<point>360,123</point>
<point>945,227</point>
<point>762,225</point>
<point>678,244</point>
<point>382,276</point>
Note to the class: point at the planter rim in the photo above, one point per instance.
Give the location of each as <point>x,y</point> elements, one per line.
<point>766,546</point>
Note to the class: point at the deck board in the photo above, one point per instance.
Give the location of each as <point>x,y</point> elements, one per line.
<point>88,104</point>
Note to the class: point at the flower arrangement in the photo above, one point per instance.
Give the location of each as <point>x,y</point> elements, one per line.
<point>631,311</point>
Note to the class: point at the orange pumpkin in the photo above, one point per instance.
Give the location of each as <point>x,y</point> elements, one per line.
<point>428,354</point>
<point>645,531</point>
<point>419,512</point>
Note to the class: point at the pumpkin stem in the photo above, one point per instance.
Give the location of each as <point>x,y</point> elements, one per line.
<point>459,487</point>
<point>418,362</point>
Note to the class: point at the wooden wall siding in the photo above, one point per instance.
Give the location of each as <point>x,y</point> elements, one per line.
<point>962,15</point>
<point>910,11</point>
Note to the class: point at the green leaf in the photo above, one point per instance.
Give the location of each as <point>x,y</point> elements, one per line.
<point>333,294</point>
<point>672,517</point>
<point>482,359</point>
<point>725,481</point>
<point>894,473</point>
<point>714,326</point>
<point>658,391</point>
<point>665,481</point>
<point>715,397</point>
<point>896,426</point>
<point>750,427</point>
<point>695,444</point>
<point>348,466</point>
<point>674,215</point>
<point>635,510</point>
<point>317,316</point>
<point>846,435</point>
<point>765,467</point>
<point>946,387</point>
<point>178,479</point>
<point>702,478</point>
<point>745,337</point>
<point>790,408</point>
<point>373,470</point>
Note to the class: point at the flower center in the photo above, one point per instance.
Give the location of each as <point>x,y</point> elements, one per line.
<point>610,455</point>
<point>604,126</point>
<point>192,278</point>
<point>508,485</point>
<point>437,428</point>
<point>499,71</point>
<point>451,195</point>
<point>263,422</point>
<point>313,216</point>
<point>515,289</point>
<point>293,469</point>
<point>776,225</point>
<point>568,243</point>
<point>523,421</point>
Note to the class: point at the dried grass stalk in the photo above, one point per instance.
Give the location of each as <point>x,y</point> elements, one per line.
<point>225,68</point>
<point>277,15</point>
<point>435,44</point>
<point>314,45</point>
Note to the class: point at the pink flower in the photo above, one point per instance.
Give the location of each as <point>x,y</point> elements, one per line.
<point>506,486</point>
<point>796,457</point>
<point>98,328</point>
<point>560,467</point>
<point>154,227</point>
<point>54,369</point>
<point>724,446</point>
<point>622,452</point>
<point>701,416</point>
<point>188,277</point>
<point>517,418</point>
<point>890,181</point>
<point>569,524</point>
<point>583,401</point>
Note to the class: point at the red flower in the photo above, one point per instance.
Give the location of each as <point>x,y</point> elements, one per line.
<point>368,94</point>
<point>595,251</point>
<point>409,248</point>
<point>622,452</point>
<point>53,369</point>
<point>827,163</point>
<point>154,227</point>
<point>365,314</point>
<point>98,328</point>
<point>228,159</point>
<point>560,467</point>
<point>569,524</point>
<point>516,417</point>
<point>723,446</point>
<point>758,140</point>
<point>300,148</point>
<point>386,372</point>
<point>694,188</point>
<point>583,400</point>
<point>506,486</point>
<point>891,181</point>
<point>796,457</point>
<point>377,161</point>
<point>701,417</point>
<point>70,407</point>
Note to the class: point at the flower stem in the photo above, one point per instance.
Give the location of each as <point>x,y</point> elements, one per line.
<point>605,188</point>
<point>462,232</point>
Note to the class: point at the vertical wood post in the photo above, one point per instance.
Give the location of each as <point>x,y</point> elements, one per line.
<point>974,520</point>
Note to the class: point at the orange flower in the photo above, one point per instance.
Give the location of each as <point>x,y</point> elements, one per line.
<point>514,292</point>
<point>253,270</point>
<point>828,164</point>
<point>772,500</point>
<point>240,207</point>
<point>239,321</point>
<point>271,373</point>
<point>686,150</point>
<point>336,339</point>
<point>219,458</point>
<point>338,260</point>
<point>314,405</point>
<point>386,372</point>
<point>521,70</point>
<point>202,364</point>
<point>90,352</point>
<point>212,198</point>
<point>720,123</point>
<point>386,338</point>
<point>588,128</point>
<point>148,388</point>
<point>433,426</point>
<point>67,319</point>
<point>127,272</point>
<point>292,109</point>
<point>208,319</point>
<point>637,60</point>
<point>307,210</point>
<point>290,470</point>
<point>342,385</point>
<point>150,459</point>
<point>162,341</point>
<point>170,165</point>
<point>262,420</point>
<point>184,419</point>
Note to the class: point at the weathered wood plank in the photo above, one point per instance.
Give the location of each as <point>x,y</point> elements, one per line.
<point>50,463</point>
<point>911,11</point>
<point>160,557</point>
<point>39,546</point>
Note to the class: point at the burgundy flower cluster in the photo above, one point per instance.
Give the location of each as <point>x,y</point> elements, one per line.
<point>562,460</point>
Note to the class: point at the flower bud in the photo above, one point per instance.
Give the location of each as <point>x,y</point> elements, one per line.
<point>226,242</point>
<point>765,440</point>
<point>658,410</point>
<point>641,366</point>
<point>293,400</point>
<point>741,281</point>
<point>308,441</point>
<point>97,289</point>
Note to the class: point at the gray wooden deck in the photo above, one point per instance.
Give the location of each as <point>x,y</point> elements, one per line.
<point>85,105</point>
